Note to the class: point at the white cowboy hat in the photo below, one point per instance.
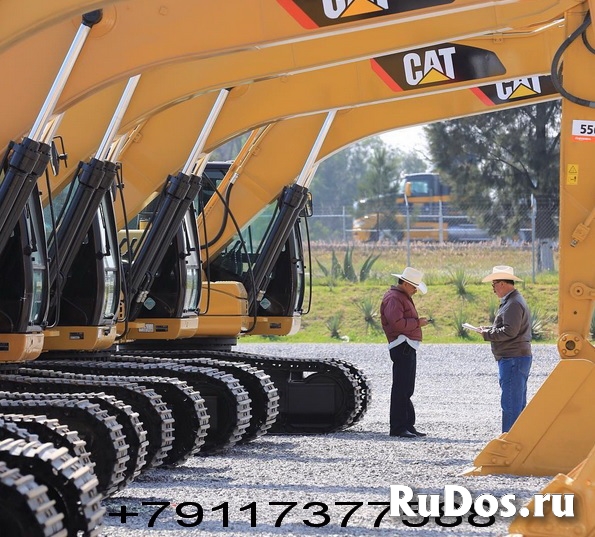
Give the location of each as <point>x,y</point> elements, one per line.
<point>413,276</point>
<point>501,272</point>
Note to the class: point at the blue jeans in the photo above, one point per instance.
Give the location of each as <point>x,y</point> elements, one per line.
<point>513,373</point>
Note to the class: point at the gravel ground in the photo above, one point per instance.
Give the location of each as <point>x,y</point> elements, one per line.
<point>457,404</point>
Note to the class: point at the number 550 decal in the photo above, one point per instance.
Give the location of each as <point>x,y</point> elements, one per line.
<point>583,130</point>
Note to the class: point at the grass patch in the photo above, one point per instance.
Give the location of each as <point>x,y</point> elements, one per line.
<point>357,301</point>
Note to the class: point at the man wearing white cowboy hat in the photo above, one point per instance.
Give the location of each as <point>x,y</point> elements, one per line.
<point>510,338</point>
<point>402,326</point>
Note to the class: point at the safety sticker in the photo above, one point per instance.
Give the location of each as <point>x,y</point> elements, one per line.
<point>583,130</point>
<point>572,174</point>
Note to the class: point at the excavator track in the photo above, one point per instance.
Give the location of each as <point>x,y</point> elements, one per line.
<point>188,411</point>
<point>262,392</point>
<point>131,428</point>
<point>154,414</point>
<point>108,450</point>
<point>71,485</point>
<point>365,390</point>
<point>261,389</point>
<point>315,396</point>
<point>189,415</point>
<point>53,431</point>
<point>26,509</point>
<point>228,405</point>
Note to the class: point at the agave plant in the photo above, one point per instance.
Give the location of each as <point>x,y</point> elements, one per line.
<point>538,320</point>
<point>331,280</point>
<point>459,317</point>
<point>493,309</point>
<point>369,308</point>
<point>336,269</point>
<point>334,324</point>
<point>364,272</point>
<point>460,279</point>
<point>348,270</point>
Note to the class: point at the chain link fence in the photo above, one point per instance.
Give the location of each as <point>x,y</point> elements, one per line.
<point>534,229</point>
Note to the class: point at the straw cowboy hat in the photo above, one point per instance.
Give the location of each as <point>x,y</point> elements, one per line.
<point>413,276</point>
<point>501,272</point>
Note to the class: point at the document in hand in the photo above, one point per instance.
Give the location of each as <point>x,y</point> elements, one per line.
<point>471,327</point>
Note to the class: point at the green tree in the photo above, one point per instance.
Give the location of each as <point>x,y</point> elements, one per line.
<point>382,173</point>
<point>379,186</point>
<point>494,162</point>
<point>412,161</point>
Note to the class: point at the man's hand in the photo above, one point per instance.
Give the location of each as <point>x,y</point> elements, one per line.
<point>425,321</point>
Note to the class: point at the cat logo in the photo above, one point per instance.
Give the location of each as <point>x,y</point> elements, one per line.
<point>436,66</point>
<point>517,89</point>
<point>318,13</point>
<point>335,9</point>
<point>430,66</point>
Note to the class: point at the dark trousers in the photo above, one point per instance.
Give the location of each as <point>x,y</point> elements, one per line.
<point>402,413</point>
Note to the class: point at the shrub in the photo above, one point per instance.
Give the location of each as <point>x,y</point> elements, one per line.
<point>334,323</point>
<point>369,308</point>
<point>459,317</point>
<point>460,279</point>
<point>364,272</point>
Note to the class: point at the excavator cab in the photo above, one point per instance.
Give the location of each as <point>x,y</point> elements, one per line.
<point>284,293</point>
<point>169,306</point>
<point>276,306</point>
<point>24,286</point>
<point>85,298</point>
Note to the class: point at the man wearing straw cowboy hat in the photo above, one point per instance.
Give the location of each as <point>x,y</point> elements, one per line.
<point>402,326</point>
<point>510,338</point>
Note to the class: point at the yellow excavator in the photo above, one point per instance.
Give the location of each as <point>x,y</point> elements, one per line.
<point>578,239</point>
<point>144,326</point>
<point>558,451</point>
<point>273,99</point>
<point>235,321</point>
